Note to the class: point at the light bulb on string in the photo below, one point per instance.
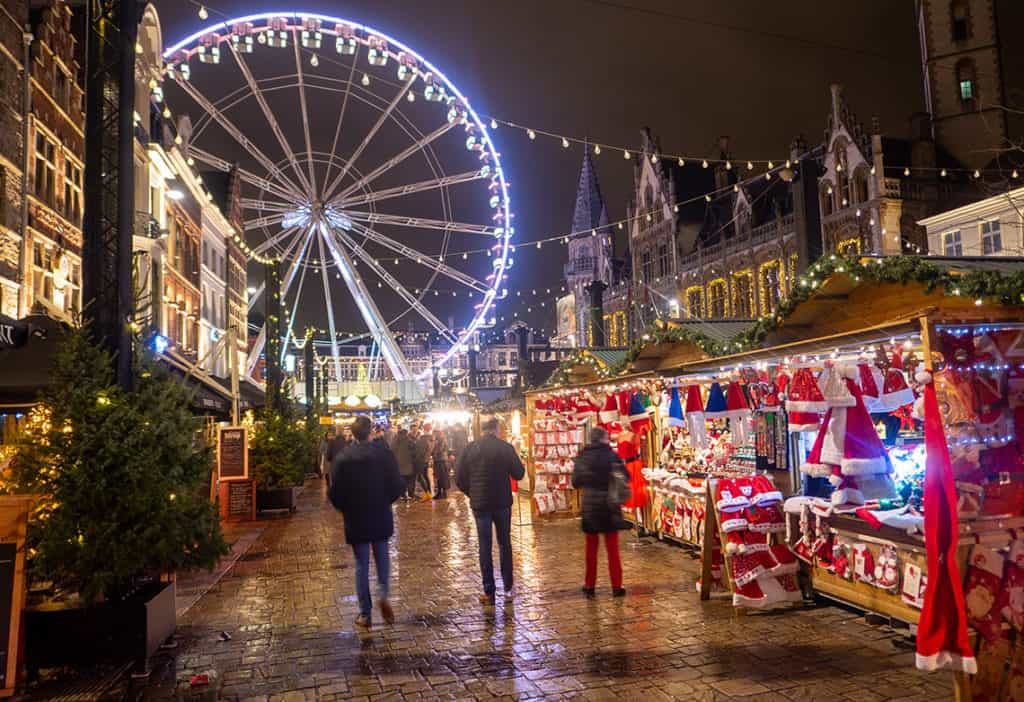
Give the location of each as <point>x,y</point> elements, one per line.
<point>943,173</point>
<point>597,149</point>
<point>1014,174</point>
<point>494,123</point>
<point>906,171</point>
<point>770,165</point>
<point>704,163</point>
<point>565,143</point>
<point>750,165</point>
<point>365,81</point>
<point>625,155</point>
<point>728,165</point>
<point>203,14</point>
<point>410,96</point>
<point>314,60</point>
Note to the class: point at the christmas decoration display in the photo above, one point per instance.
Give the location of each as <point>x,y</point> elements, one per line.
<point>695,417</point>
<point>896,393</point>
<point>805,403</point>
<point>556,439</point>
<point>716,406</point>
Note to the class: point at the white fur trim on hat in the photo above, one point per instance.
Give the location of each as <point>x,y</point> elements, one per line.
<point>732,504</point>
<point>734,524</point>
<point>895,400</point>
<point>922,376</point>
<point>675,421</point>
<point>864,466</point>
<point>767,528</point>
<point>816,470</point>
<point>945,660</point>
<point>835,480</point>
<point>849,372</point>
<point>847,496</point>
<point>763,498</point>
<point>806,405</point>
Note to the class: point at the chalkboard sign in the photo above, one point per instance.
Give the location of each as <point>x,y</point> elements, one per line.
<point>233,453</point>
<point>13,523</point>
<point>241,499</point>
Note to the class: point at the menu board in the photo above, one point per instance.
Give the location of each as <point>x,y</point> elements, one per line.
<point>238,499</point>
<point>13,522</point>
<point>232,453</point>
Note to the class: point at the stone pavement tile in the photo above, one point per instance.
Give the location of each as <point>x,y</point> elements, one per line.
<point>288,604</point>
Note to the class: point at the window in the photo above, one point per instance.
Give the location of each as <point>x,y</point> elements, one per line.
<point>62,88</point>
<point>967,88</point>
<point>991,237</point>
<point>960,15</point>
<point>72,193</point>
<point>647,269</point>
<point>771,287</point>
<point>860,186</point>
<point>695,302</point>
<point>46,169</point>
<point>743,297</point>
<point>663,261</point>
<point>951,244</point>
<point>716,296</point>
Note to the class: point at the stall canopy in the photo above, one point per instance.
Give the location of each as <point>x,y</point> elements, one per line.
<point>674,353</point>
<point>25,369</point>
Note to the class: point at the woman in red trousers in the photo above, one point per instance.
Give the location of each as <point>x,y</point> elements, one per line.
<point>592,471</point>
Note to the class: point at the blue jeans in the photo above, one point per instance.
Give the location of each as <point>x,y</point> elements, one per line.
<point>502,523</point>
<point>382,558</point>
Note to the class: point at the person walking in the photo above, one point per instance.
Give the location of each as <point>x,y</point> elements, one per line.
<point>365,482</point>
<point>421,461</point>
<point>483,473</point>
<point>440,453</point>
<point>403,450</point>
<point>593,469</point>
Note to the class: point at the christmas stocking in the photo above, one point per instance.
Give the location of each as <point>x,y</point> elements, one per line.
<point>981,591</point>
<point>1013,588</point>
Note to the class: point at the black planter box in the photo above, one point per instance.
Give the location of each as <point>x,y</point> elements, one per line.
<point>271,499</point>
<point>129,629</point>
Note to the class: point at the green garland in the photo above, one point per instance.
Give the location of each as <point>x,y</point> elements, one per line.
<point>979,285</point>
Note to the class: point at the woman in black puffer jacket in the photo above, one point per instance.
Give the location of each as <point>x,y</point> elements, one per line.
<point>592,472</point>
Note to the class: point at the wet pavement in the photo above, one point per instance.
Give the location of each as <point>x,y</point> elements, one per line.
<point>288,606</point>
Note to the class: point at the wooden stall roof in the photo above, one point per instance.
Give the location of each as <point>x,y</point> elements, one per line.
<point>842,304</point>
<point>597,382</point>
<point>584,372</point>
<point>670,355</point>
<point>844,312</point>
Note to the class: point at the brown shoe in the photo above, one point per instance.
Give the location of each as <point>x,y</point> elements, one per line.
<point>487,600</point>
<point>426,497</point>
<point>387,612</point>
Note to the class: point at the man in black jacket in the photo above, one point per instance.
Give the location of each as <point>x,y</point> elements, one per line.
<point>483,473</point>
<point>364,482</point>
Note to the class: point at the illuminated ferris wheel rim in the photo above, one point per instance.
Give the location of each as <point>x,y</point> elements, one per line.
<point>221,32</point>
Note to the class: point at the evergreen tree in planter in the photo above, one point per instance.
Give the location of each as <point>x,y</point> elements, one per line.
<point>277,456</point>
<point>124,478</point>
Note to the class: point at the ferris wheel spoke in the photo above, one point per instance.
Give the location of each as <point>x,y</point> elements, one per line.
<point>384,116</point>
<point>261,100</point>
<point>261,339</point>
<point>410,189</point>
<point>264,221</point>
<point>294,313</point>
<point>247,176</point>
<point>368,309</point>
<point>420,223</point>
<point>330,311</point>
<point>254,298</point>
<point>244,141</point>
<point>266,205</point>
<point>380,170</point>
<point>275,240</point>
<point>305,111</point>
<point>404,293</point>
<point>341,115</point>
<point>420,258</point>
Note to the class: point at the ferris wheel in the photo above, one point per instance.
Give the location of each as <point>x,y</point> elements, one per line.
<point>364,171</point>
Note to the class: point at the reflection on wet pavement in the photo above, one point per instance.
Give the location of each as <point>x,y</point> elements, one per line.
<point>289,605</point>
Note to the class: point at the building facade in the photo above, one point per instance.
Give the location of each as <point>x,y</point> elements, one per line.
<point>990,227</point>
<point>51,253</point>
<point>13,47</point>
<point>973,76</point>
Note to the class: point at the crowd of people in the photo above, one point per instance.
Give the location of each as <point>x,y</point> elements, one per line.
<point>369,468</point>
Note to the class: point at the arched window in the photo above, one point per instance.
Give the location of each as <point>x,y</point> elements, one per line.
<point>860,186</point>
<point>966,82</point>
<point>960,19</point>
<point>826,199</point>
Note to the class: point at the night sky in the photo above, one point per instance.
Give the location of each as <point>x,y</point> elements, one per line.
<point>757,72</point>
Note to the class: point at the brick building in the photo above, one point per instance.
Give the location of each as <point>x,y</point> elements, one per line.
<point>13,18</point>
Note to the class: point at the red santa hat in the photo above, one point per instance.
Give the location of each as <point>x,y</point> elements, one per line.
<point>805,402</point>
<point>871,382</point>
<point>814,466</point>
<point>639,419</point>
<point>544,407</point>
<point>863,451</point>
<point>695,417</point>
<point>895,391</point>
<point>782,381</point>
<point>610,412</point>
<point>835,388</point>
<point>586,410</point>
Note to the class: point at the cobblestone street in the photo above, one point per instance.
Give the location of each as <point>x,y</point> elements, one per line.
<point>288,606</point>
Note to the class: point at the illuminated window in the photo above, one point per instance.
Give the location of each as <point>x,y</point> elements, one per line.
<point>771,287</point>
<point>991,237</point>
<point>967,90</point>
<point>695,302</point>
<point>46,169</point>
<point>848,247</point>
<point>72,193</point>
<point>743,296</point>
<point>951,244</point>
<point>717,300</point>
<point>966,81</point>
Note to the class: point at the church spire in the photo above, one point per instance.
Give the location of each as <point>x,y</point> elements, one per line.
<point>590,211</point>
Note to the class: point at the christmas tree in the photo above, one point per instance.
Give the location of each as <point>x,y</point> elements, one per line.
<point>123,477</point>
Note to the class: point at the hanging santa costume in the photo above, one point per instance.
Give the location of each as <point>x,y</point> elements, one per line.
<point>805,402</point>
<point>871,383</point>
<point>639,425</point>
<point>695,417</point>
<point>860,464</point>
<point>895,391</point>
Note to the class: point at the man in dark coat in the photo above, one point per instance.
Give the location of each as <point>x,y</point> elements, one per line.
<point>421,460</point>
<point>592,471</point>
<point>483,473</point>
<point>365,481</point>
<point>403,449</point>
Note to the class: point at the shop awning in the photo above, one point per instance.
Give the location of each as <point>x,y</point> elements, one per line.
<point>25,371</point>
<point>210,397</point>
<point>810,347</point>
